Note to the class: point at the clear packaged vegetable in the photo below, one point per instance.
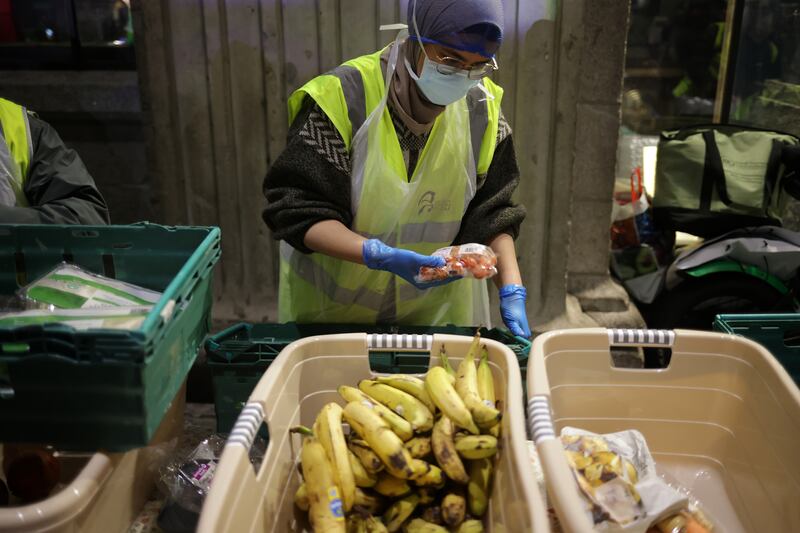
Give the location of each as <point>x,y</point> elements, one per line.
<point>464,261</point>
<point>69,286</point>
<point>129,318</point>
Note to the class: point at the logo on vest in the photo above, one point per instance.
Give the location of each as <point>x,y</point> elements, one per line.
<point>427,203</point>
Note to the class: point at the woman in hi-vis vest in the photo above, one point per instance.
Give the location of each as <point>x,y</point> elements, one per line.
<point>389,157</point>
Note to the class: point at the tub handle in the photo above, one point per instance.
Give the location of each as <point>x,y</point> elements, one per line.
<point>540,421</point>
<point>247,425</point>
<point>641,337</point>
<point>388,342</point>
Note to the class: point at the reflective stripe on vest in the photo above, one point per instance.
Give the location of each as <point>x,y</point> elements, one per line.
<point>315,274</point>
<point>16,151</point>
<point>318,288</point>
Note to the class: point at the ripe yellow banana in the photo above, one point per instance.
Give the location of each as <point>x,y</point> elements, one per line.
<point>447,366</point>
<point>444,449</point>
<point>410,384</point>
<point>476,446</point>
<point>485,416</point>
<point>428,475</point>
<point>486,389</point>
<point>418,525</point>
<point>470,526</point>
<point>369,459</point>
<point>301,497</point>
<point>399,512</point>
<point>402,403</point>
<point>478,488</point>
<point>486,379</point>
<point>399,425</point>
<point>369,502</point>
<point>328,429</point>
<point>360,474</point>
<point>454,509</point>
<point>390,486</point>
<point>326,510</point>
<point>447,399</point>
<point>419,447</point>
<point>380,437</point>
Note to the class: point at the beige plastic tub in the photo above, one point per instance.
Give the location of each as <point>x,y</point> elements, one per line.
<point>301,380</point>
<point>723,420</point>
<point>103,493</point>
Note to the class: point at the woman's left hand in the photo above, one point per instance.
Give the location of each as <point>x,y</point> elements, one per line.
<point>512,309</point>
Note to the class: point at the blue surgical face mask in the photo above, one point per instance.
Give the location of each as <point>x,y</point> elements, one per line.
<point>438,88</point>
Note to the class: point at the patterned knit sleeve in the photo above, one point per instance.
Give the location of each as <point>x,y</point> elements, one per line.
<point>310,181</point>
<point>503,128</point>
<point>319,133</point>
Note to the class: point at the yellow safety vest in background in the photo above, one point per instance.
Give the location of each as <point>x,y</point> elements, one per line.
<point>16,151</point>
<point>420,214</point>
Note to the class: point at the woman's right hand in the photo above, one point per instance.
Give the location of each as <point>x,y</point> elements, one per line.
<point>404,263</point>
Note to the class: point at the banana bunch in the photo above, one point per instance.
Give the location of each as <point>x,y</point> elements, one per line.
<point>418,456</point>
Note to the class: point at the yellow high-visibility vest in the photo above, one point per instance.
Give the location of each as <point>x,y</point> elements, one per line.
<point>16,151</point>
<point>318,288</point>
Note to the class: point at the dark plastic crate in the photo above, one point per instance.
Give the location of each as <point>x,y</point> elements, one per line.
<point>239,355</point>
<point>103,388</point>
<point>778,333</point>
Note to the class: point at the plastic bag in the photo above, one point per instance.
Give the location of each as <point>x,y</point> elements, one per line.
<point>631,223</point>
<point>617,476</point>
<point>68,286</point>
<point>464,261</point>
<point>187,480</point>
<point>633,262</point>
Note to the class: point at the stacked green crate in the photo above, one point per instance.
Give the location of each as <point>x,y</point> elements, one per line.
<point>778,333</point>
<point>103,388</point>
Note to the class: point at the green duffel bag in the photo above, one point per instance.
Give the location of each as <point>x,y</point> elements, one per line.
<point>713,179</point>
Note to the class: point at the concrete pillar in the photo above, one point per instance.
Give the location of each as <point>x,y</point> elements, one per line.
<point>572,81</point>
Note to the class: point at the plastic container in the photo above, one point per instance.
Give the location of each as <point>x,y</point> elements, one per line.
<point>778,333</point>
<point>723,419</point>
<point>103,388</point>
<point>305,377</point>
<point>239,356</point>
<point>103,493</point>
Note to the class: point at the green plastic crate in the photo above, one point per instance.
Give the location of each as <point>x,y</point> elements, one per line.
<point>239,355</point>
<point>103,388</point>
<point>778,333</point>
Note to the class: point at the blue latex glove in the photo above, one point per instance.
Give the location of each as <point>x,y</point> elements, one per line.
<point>512,309</point>
<point>403,263</point>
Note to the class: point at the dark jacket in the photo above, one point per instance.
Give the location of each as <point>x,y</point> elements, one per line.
<point>59,189</point>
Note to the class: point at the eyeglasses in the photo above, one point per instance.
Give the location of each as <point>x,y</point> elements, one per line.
<point>450,66</point>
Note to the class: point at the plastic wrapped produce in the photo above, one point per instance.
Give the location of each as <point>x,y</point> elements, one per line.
<point>468,260</point>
